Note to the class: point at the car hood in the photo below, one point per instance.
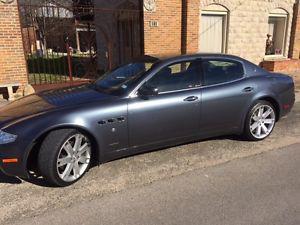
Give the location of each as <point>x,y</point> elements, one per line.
<point>50,100</point>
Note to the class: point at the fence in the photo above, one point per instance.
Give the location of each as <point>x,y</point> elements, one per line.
<point>74,42</point>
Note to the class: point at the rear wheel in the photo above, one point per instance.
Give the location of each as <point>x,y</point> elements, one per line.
<point>260,121</point>
<point>64,157</point>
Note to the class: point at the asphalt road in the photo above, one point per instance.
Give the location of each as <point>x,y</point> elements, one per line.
<point>260,190</point>
<point>21,200</point>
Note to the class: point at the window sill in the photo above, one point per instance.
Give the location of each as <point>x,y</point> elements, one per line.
<point>275,58</point>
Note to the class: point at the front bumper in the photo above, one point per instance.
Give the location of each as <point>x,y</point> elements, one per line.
<point>14,151</point>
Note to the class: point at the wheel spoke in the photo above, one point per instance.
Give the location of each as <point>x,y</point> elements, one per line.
<point>268,121</point>
<point>78,140</point>
<point>258,131</point>
<point>76,170</point>
<point>84,160</point>
<point>67,171</point>
<point>264,128</point>
<point>260,111</point>
<point>254,126</point>
<point>64,161</point>
<point>68,148</point>
<point>83,149</point>
<point>268,113</point>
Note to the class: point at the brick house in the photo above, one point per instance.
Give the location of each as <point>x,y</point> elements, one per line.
<point>238,27</point>
<point>228,26</point>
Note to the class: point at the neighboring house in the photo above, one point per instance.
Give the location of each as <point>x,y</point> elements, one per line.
<point>266,32</point>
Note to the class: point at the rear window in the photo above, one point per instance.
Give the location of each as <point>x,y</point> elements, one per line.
<point>222,71</point>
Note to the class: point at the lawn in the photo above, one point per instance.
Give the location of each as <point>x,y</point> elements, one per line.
<point>55,68</point>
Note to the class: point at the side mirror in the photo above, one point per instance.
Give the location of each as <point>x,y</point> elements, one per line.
<point>146,91</point>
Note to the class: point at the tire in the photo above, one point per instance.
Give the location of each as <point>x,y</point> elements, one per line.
<point>259,126</point>
<point>64,157</point>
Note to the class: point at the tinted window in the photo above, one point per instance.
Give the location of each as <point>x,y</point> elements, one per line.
<point>221,71</point>
<point>179,76</point>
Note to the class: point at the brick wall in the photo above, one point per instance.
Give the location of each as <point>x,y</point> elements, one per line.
<point>295,34</point>
<point>164,39</point>
<point>286,66</point>
<point>12,60</point>
<point>190,26</point>
<point>178,29</point>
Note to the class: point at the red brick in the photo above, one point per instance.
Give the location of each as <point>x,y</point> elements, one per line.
<point>13,65</point>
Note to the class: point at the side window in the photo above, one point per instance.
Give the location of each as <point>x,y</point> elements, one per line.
<point>179,76</point>
<point>221,71</point>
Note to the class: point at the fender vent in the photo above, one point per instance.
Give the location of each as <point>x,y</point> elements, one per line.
<point>112,121</point>
<point>102,122</point>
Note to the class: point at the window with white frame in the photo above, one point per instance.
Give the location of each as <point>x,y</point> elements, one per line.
<point>277,29</point>
<point>213,32</point>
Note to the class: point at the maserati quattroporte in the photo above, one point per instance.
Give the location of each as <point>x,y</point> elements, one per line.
<point>141,106</point>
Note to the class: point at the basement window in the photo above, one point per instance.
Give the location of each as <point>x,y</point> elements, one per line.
<point>276,36</point>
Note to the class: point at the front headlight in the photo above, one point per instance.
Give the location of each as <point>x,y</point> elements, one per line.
<point>6,138</point>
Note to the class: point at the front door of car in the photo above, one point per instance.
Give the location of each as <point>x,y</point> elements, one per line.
<point>226,95</point>
<point>171,110</point>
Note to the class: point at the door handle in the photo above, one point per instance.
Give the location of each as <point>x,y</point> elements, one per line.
<point>191,99</point>
<point>248,89</point>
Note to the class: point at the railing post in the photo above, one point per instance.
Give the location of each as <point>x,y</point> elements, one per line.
<point>69,60</point>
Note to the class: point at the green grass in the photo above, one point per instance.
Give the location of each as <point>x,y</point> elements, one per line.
<point>45,78</point>
<point>54,68</point>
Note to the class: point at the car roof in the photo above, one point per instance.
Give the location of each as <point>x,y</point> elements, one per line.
<point>155,58</point>
<point>200,55</point>
<point>250,67</point>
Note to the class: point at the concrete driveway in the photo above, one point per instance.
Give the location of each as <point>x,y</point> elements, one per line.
<point>26,199</point>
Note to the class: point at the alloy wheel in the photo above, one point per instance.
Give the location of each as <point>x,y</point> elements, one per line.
<point>262,121</point>
<point>74,158</point>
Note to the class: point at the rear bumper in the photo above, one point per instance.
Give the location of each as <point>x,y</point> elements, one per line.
<point>13,151</point>
<point>287,100</point>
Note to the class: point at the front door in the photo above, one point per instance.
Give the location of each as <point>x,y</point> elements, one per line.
<point>212,33</point>
<point>173,113</point>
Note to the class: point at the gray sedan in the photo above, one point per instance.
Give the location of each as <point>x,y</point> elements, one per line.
<point>144,105</point>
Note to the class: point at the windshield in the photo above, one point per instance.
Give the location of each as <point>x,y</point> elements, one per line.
<point>119,80</point>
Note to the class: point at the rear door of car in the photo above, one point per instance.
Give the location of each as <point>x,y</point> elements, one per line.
<point>226,95</point>
<point>171,114</point>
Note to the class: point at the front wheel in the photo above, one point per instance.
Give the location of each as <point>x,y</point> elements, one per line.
<point>64,157</point>
<point>260,121</point>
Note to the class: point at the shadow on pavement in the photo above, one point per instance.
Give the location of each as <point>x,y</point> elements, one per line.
<point>39,181</point>
<point>9,180</point>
